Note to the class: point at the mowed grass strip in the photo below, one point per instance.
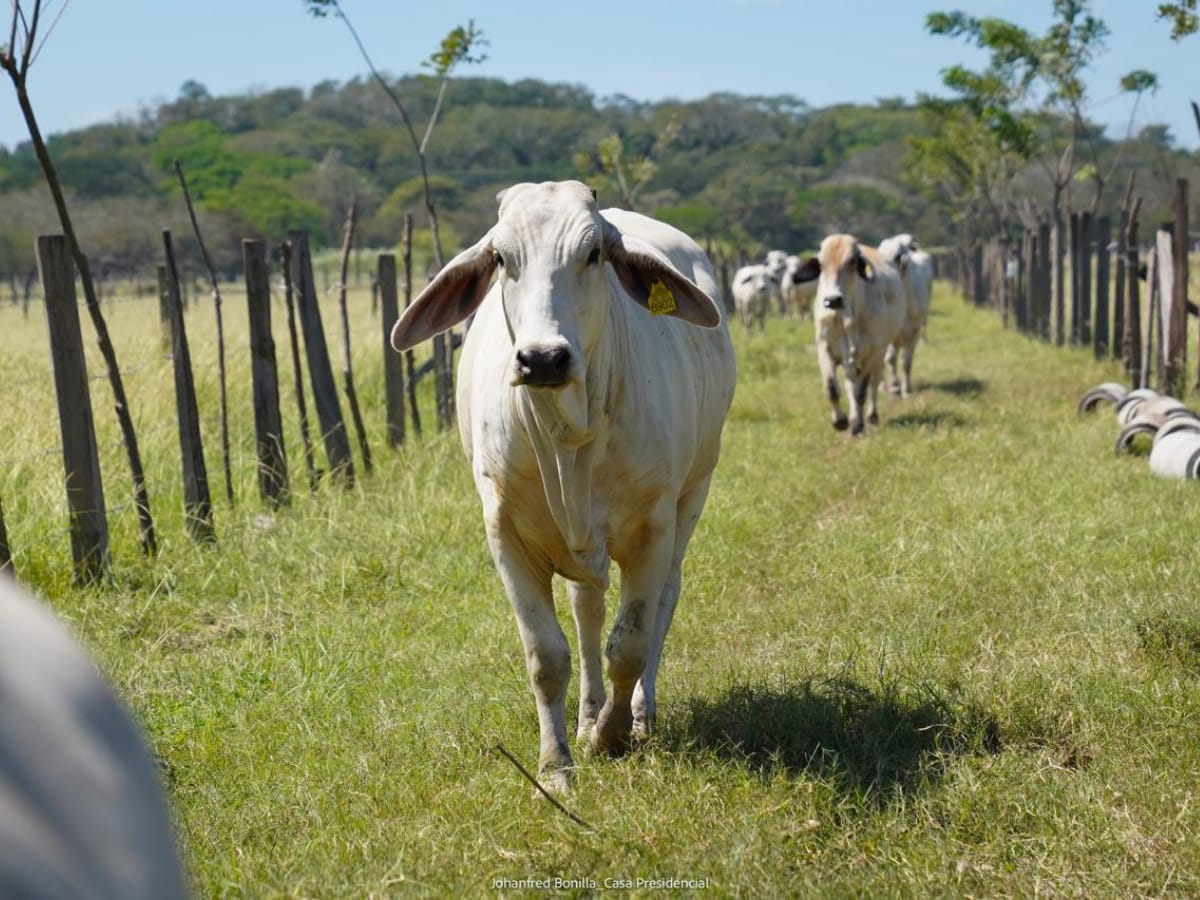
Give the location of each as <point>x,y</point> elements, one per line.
<point>957,656</point>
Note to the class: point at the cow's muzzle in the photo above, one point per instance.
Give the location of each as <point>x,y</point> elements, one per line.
<point>544,367</point>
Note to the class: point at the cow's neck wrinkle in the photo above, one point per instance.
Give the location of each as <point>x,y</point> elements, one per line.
<point>568,432</point>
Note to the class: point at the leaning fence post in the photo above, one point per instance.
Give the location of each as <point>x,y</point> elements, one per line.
<point>285,264</point>
<point>197,503</point>
<point>320,370</point>
<point>268,423</point>
<point>409,355</point>
<point>393,362</point>
<point>85,489</point>
<point>347,363</point>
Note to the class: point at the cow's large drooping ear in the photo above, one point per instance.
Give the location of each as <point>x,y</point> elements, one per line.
<point>651,280</point>
<point>866,271</point>
<point>453,295</point>
<point>810,270</point>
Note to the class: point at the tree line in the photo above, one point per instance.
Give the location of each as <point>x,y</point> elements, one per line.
<point>747,172</point>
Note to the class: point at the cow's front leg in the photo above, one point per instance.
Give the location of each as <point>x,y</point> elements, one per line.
<point>643,577</point>
<point>587,604</point>
<point>547,654</point>
<point>829,382</point>
<point>857,386</point>
<point>890,361</point>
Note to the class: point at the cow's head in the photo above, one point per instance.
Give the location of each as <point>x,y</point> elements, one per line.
<point>550,253</point>
<point>837,268</point>
<point>897,249</point>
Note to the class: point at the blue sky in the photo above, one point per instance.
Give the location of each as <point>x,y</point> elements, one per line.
<point>99,63</point>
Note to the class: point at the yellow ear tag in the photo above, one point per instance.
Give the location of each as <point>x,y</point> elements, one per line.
<point>661,300</point>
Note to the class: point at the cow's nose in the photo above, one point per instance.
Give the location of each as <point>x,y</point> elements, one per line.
<point>544,367</point>
<point>833,301</point>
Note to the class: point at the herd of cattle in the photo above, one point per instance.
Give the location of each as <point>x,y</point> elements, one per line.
<point>593,387</point>
<point>869,307</point>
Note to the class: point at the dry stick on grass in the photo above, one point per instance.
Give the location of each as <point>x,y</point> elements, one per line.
<point>18,70</point>
<point>503,751</point>
<point>347,370</point>
<point>285,262</point>
<point>216,294</point>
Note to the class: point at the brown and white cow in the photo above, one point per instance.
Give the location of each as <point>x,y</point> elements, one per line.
<point>858,312</point>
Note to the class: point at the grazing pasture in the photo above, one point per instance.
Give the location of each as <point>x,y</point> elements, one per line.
<point>959,655</point>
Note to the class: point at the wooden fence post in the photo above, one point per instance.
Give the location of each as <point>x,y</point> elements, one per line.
<point>164,308</point>
<point>1172,276</point>
<point>410,359</point>
<point>1073,261</point>
<point>1178,357</point>
<point>1119,282</point>
<point>1084,258</point>
<point>325,396</point>
<point>197,502</point>
<point>393,362</point>
<point>268,423</point>
<point>1057,282</point>
<point>1131,339</point>
<point>1103,234</point>
<point>285,264</point>
<point>81,460</point>
<point>360,429</point>
<point>1045,271</point>
<point>1152,373</point>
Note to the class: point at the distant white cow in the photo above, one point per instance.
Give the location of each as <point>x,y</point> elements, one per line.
<point>797,294</point>
<point>916,271</point>
<point>753,288</point>
<point>81,806</point>
<point>590,405</point>
<point>858,313</point>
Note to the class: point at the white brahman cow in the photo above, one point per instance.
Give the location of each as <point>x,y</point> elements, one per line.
<point>858,312</point>
<point>753,287</point>
<point>797,294</point>
<point>593,386</point>
<point>916,271</point>
<point>777,262</point>
<point>81,806</point>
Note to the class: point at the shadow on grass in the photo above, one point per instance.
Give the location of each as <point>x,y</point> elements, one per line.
<point>960,387</point>
<point>867,741</point>
<point>1171,637</point>
<point>919,420</point>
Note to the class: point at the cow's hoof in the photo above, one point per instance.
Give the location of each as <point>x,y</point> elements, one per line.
<point>611,736</point>
<point>556,781</point>
<point>894,388</point>
<point>873,419</point>
<point>857,429</point>
<point>841,423</point>
<point>641,728</point>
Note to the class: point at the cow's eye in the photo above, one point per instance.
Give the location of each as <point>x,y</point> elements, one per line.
<point>594,256</point>
<point>498,258</point>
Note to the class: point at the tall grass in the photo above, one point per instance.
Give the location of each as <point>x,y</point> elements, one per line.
<point>955,657</point>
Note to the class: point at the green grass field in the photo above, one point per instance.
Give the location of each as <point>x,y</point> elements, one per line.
<point>960,656</point>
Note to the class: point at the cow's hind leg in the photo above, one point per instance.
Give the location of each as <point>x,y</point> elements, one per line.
<point>587,604</point>
<point>643,577</point>
<point>691,504</point>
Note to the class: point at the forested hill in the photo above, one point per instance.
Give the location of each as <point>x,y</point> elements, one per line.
<point>752,171</point>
